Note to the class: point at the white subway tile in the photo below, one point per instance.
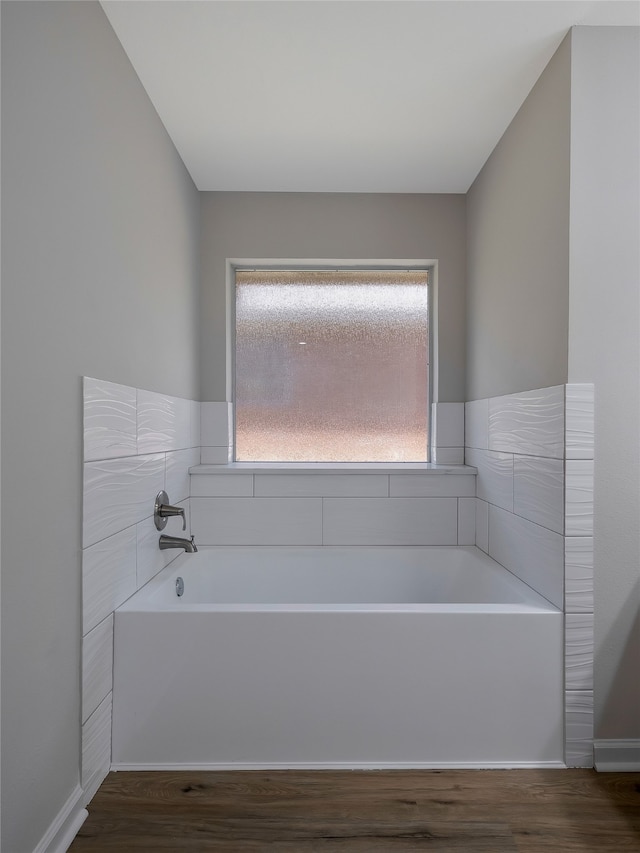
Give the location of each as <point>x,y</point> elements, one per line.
<point>157,422</point>
<point>257,521</point>
<point>466,521</point>
<point>579,421</point>
<point>579,497</point>
<point>531,423</point>
<point>183,424</point>
<point>447,455</point>
<point>194,421</point>
<point>494,480</point>
<point>579,651</point>
<point>390,521</point>
<point>538,490</point>
<point>578,574</point>
<point>447,423</point>
<point>321,485</point>
<point>97,666</point>
<point>96,742</point>
<point>177,478</point>
<point>222,485</point>
<point>482,525</point>
<point>430,486</point>
<point>215,421</point>
<point>579,728</point>
<point>108,576</point>
<point>109,420</point>
<point>119,493</point>
<point>476,424</point>
<point>214,455</point>
<point>533,553</point>
<point>164,422</point>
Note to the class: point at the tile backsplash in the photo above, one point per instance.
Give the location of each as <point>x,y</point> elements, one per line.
<point>135,444</point>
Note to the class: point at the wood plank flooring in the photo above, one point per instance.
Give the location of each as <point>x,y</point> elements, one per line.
<point>476,811</point>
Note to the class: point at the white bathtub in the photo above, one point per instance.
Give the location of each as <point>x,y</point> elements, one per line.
<point>337,657</point>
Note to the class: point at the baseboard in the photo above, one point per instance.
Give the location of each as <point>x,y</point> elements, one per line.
<point>64,828</point>
<point>617,756</point>
<point>350,765</point>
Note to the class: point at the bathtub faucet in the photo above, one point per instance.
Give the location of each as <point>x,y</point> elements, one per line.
<point>167,542</point>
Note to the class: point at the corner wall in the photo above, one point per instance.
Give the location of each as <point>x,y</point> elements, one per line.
<point>604,331</point>
<point>518,247</point>
<point>99,277</point>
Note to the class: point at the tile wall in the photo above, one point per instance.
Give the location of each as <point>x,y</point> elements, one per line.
<point>323,507</point>
<point>135,444</point>
<point>578,594</point>
<point>447,433</point>
<point>534,515</point>
<point>517,444</point>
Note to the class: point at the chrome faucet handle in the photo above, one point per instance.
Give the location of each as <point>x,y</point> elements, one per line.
<point>163,510</point>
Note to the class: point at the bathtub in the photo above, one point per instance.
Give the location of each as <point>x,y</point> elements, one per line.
<point>337,657</point>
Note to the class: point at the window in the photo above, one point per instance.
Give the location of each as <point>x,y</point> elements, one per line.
<point>331,366</point>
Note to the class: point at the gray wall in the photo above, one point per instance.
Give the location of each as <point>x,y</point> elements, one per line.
<point>327,225</point>
<point>604,330</point>
<point>100,277</point>
<point>518,247</point>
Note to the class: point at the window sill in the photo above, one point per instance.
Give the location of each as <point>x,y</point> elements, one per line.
<point>333,468</point>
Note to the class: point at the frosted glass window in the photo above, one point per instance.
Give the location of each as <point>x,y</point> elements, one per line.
<point>331,366</point>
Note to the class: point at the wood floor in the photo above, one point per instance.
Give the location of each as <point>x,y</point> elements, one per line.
<point>493,811</point>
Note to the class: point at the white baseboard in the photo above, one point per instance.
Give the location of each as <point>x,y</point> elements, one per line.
<point>58,838</point>
<point>617,756</point>
<point>348,765</point>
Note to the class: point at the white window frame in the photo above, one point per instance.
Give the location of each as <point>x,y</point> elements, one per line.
<point>428,265</point>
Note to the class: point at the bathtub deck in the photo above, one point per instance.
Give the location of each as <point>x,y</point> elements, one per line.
<point>352,812</point>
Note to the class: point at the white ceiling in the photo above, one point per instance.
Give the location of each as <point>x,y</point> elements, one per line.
<point>343,96</point>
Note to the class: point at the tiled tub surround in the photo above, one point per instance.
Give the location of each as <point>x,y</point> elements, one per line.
<point>534,514</point>
<point>517,444</point>
<point>447,433</point>
<point>135,443</point>
<point>333,503</point>
<point>246,504</point>
<point>216,433</point>
<point>516,513</point>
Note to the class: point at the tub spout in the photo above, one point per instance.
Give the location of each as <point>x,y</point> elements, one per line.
<point>167,542</point>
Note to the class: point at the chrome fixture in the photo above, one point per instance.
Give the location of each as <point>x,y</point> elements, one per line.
<point>163,511</point>
<point>167,542</point>
<point>179,587</point>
